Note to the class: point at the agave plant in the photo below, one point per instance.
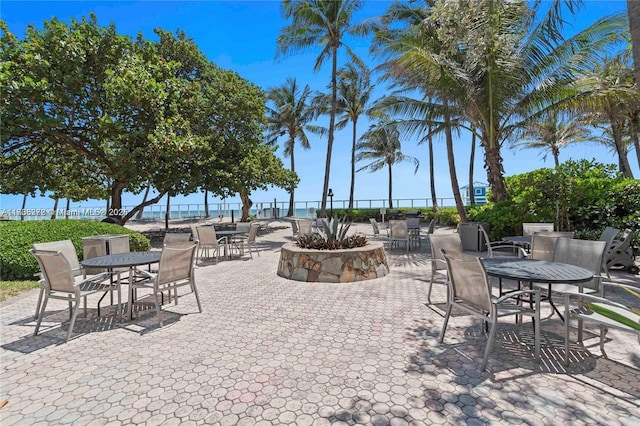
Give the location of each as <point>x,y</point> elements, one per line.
<point>334,229</point>
<point>332,236</point>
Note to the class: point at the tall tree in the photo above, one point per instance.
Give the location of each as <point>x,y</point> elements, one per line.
<point>380,146</point>
<point>354,92</point>
<point>551,132</point>
<point>323,23</point>
<point>498,61</point>
<point>633,11</point>
<point>290,116</point>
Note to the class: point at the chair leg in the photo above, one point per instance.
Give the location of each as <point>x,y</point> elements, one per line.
<point>155,299</point>
<point>490,340</point>
<point>195,292</point>
<point>567,318</point>
<point>446,321</point>
<point>42,310</point>
<point>39,300</point>
<point>73,318</point>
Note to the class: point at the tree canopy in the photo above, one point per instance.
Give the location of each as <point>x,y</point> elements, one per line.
<point>87,112</point>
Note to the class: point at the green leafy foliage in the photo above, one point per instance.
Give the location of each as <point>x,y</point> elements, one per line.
<point>447,216</point>
<point>333,236</point>
<point>16,238</point>
<point>582,196</point>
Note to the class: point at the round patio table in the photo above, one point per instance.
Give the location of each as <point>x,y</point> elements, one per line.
<point>124,260</point>
<point>536,271</point>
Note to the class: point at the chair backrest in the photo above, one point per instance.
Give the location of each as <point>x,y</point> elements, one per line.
<point>399,229</point>
<point>177,261</point>
<point>529,228</point>
<point>243,226</point>
<point>413,222</point>
<point>305,227</point>
<point>449,242</point>
<point>56,269</point>
<point>207,235</point>
<point>583,253</point>
<point>374,225</point>
<point>176,237</point>
<point>543,245</point>
<point>253,231</point>
<point>432,226</point>
<point>608,235</point>
<point>468,278</point>
<point>66,248</point>
<point>294,227</point>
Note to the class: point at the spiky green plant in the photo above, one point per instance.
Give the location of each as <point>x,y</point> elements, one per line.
<point>332,236</point>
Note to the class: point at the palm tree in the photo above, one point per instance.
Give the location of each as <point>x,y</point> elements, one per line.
<point>381,146</point>
<point>498,62</point>
<point>354,92</point>
<point>552,132</point>
<point>633,10</point>
<point>323,23</point>
<point>290,117</point>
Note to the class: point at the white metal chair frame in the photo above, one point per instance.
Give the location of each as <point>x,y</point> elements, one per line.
<point>449,242</point>
<point>177,267</point>
<point>207,240</point>
<point>60,282</point>
<point>528,228</point>
<point>470,290</point>
<point>398,231</point>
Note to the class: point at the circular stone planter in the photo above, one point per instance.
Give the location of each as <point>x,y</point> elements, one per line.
<point>333,266</point>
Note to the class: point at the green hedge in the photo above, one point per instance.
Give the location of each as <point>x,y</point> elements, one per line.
<point>446,216</point>
<point>16,238</point>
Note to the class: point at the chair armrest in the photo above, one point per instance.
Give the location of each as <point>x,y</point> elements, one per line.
<point>592,298</point>
<point>222,240</point>
<point>513,294</point>
<point>604,284</point>
<point>146,274</point>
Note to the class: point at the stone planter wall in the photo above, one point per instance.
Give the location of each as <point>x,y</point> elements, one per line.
<point>333,266</point>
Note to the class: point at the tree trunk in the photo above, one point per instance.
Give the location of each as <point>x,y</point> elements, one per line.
<point>495,171</point>
<point>434,199</point>
<point>68,209</point>
<point>206,203</point>
<point>332,125</point>
<point>54,212</point>
<point>623,161</point>
<point>472,198</point>
<point>390,187</point>
<point>556,156</point>
<point>116,195</point>
<point>246,206</point>
<point>635,126</point>
<point>24,205</point>
<point>353,163</point>
<point>144,200</point>
<point>167,213</point>
<point>455,187</point>
<point>291,194</point>
<point>633,10</point>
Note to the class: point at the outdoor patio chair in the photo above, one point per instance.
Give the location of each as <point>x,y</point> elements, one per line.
<point>413,225</point>
<point>450,242</point>
<point>175,237</point>
<point>608,236</point>
<point>69,251</point>
<point>470,290</point>
<point>398,231</point>
<point>207,240</point>
<point>529,228</point>
<point>497,245</point>
<point>176,269</point>
<point>243,226</point>
<point>543,245</point>
<point>305,227</point>
<point>249,241</point>
<point>61,281</point>
<point>294,228</point>
<point>595,311</point>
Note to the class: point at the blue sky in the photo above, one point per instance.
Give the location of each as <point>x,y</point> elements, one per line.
<point>241,36</point>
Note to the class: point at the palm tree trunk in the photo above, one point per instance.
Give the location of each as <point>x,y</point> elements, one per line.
<point>623,161</point>
<point>455,187</point>
<point>291,195</point>
<point>633,10</point>
<point>353,164</point>
<point>472,198</point>
<point>635,125</point>
<point>332,125</point>
<point>390,187</point>
<point>434,199</point>
<point>495,171</point>
<point>68,209</point>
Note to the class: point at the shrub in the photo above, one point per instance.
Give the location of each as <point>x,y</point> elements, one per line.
<point>16,238</point>
<point>332,236</point>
